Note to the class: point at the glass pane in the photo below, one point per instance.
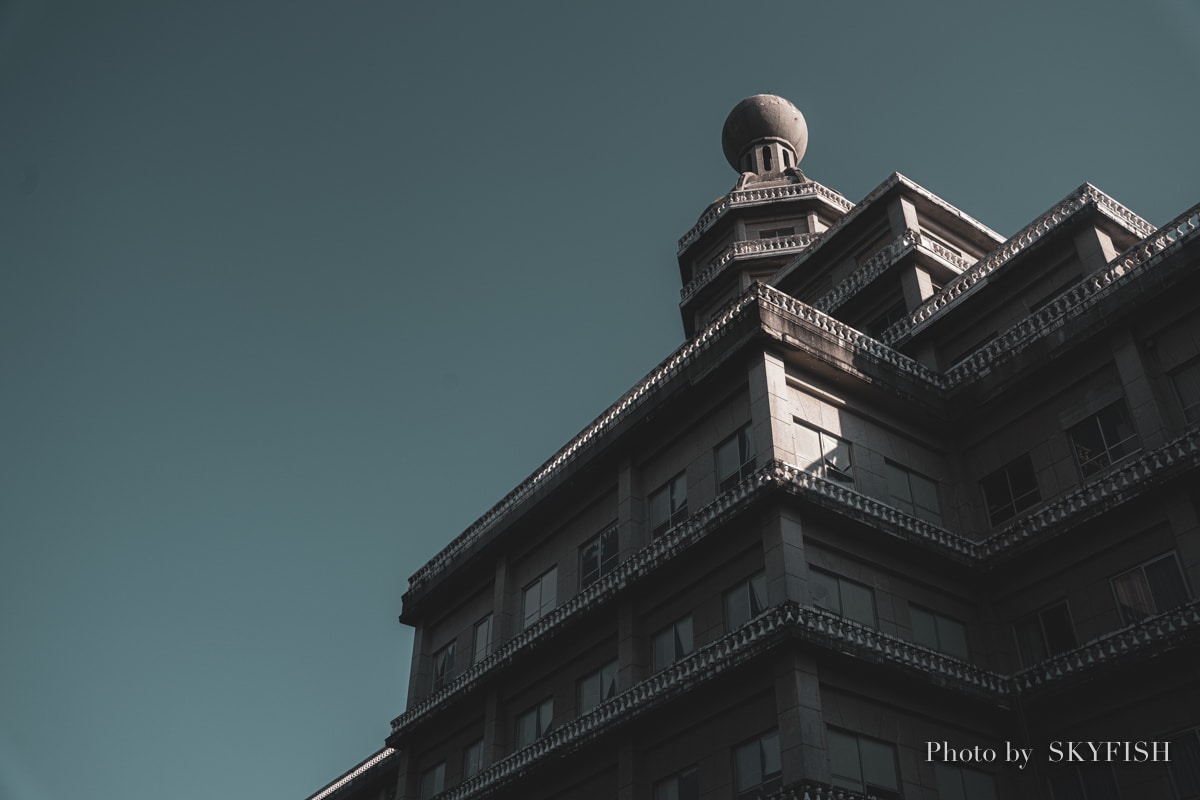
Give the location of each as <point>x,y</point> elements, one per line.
<point>532,603</point>
<point>589,693</point>
<point>545,715</point>
<point>898,488</point>
<point>843,760</point>
<point>660,509</point>
<point>770,755</point>
<point>1098,782</point>
<point>608,681</point>
<point>1056,622</point>
<point>745,446</point>
<point>483,638</point>
<point>727,459</point>
<point>837,459</point>
<point>1024,482</point>
<point>549,591</point>
<point>749,767</point>
<point>858,603</point>
<point>808,448</point>
<point>824,589</point>
<point>758,594</point>
<point>924,627</point>
<point>949,782</point>
<point>1166,584</point>
<point>1066,787</point>
<point>679,492</point>
<point>925,498</point>
<point>689,785</point>
<point>683,637</point>
<point>667,790</point>
<point>526,729</point>
<point>878,764</point>
<point>1133,596</point>
<point>1185,765</point>
<point>978,785</point>
<point>589,562</point>
<point>997,497</point>
<point>664,651</point>
<point>737,607</point>
<point>953,637</point>
<point>1030,644</point>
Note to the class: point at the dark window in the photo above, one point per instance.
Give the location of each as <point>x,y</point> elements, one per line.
<point>823,455</point>
<point>1184,766</point>
<point>775,233</point>
<point>1089,782</point>
<point>540,597</point>
<point>1010,490</point>
<point>482,639</point>
<point>1103,439</point>
<point>863,765</point>
<point>887,319</point>
<point>684,786</point>
<point>757,766</point>
<point>961,783</point>
<point>735,459</point>
<point>672,643</point>
<point>597,687</point>
<point>1186,381</point>
<point>841,596</point>
<point>473,759</point>
<point>535,723</point>
<point>745,601</point>
<point>598,556</point>
<point>1152,588</point>
<point>939,633</point>
<point>443,666</point>
<point>1044,634</point>
<point>668,505</point>
<point>766,155</point>
<point>912,493</point>
<point>433,781</point>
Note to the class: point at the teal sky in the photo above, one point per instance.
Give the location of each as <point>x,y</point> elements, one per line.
<point>293,292</point>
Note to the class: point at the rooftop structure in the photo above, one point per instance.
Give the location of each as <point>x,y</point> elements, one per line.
<point>907,482</point>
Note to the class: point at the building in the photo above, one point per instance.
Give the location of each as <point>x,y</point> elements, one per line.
<point>911,491</point>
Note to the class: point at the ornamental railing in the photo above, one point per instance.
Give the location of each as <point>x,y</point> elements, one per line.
<point>1166,629</point>
<point>1080,297</point>
<point>1084,197</point>
<point>749,247</point>
<point>814,790</point>
<point>752,197</point>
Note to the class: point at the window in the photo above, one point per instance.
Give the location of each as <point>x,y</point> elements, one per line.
<point>887,319</point>
<point>540,597</point>
<point>913,493</point>
<point>863,765</point>
<point>841,596</point>
<point>684,786</point>
<point>1150,589</point>
<point>1088,782</point>
<point>672,643</point>
<point>1186,381</point>
<point>594,689</point>
<point>443,666</point>
<point>433,781</point>
<point>1103,439</point>
<point>757,766</point>
<point>1010,490</point>
<point>735,459</point>
<point>473,759</point>
<point>775,233</point>
<point>598,556</point>
<point>535,723</point>
<point>745,601</point>
<point>668,505</point>
<point>939,633</point>
<point>823,454</point>
<point>1044,634</point>
<point>961,783</point>
<point>482,639</point>
<point>1184,766</point>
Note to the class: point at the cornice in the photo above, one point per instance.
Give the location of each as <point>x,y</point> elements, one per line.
<point>743,249</point>
<point>354,774</point>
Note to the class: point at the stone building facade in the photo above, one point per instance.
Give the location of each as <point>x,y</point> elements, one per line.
<point>908,486</point>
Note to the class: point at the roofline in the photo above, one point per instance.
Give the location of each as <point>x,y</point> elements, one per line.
<point>354,773</point>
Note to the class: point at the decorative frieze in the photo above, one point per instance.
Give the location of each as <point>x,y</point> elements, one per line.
<point>754,197</point>
<point>746,248</point>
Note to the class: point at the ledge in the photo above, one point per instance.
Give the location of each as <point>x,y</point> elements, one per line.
<point>755,197</point>
<point>746,248</point>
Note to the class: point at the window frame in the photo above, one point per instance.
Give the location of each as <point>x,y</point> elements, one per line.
<point>474,748</point>
<point>961,773</point>
<point>443,674</point>
<point>479,654</point>
<point>1107,456</point>
<point>606,672</point>
<point>692,772</point>
<point>822,466</point>
<point>1191,372</point>
<point>1014,505</point>
<point>841,582</point>
<point>768,781</point>
<point>676,643</point>
<point>1177,741</point>
<point>753,599</point>
<point>743,439</point>
<point>606,540</point>
<point>861,784</point>
<point>937,618</point>
<point>677,512</point>
<point>437,777</point>
<point>549,577</point>
<point>535,711</point>
<point>913,509</point>
<point>1149,587</point>
<point>1039,617</point>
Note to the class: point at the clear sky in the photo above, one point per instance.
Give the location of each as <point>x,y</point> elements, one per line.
<point>294,291</point>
